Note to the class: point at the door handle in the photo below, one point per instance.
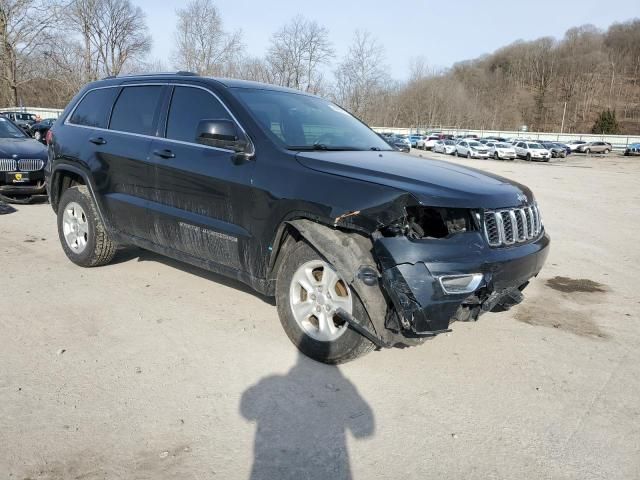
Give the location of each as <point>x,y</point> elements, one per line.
<point>98,140</point>
<point>164,153</point>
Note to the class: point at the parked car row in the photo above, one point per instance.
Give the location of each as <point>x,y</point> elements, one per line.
<point>499,148</point>
<point>31,124</point>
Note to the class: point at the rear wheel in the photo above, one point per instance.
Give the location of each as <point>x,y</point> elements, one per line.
<point>309,290</point>
<point>606,150</point>
<point>82,234</point>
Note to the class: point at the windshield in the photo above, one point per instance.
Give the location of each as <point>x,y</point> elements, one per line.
<point>449,142</point>
<point>9,130</point>
<point>302,122</point>
<point>503,145</point>
<point>475,144</point>
<point>534,146</point>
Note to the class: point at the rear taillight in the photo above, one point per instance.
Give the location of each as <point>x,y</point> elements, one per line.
<point>49,137</point>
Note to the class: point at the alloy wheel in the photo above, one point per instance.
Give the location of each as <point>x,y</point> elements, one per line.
<point>315,294</point>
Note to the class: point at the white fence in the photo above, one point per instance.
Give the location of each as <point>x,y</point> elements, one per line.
<point>43,112</point>
<point>618,142</point>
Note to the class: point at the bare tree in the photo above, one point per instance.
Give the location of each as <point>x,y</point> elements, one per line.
<point>202,44</point>
<point>24,26</point>
<point>119,35</point>
<point>297,53</point>
<point>361,76</point>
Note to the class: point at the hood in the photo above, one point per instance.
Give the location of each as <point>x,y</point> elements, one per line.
<point>22,148</point>
<point>434,183</point>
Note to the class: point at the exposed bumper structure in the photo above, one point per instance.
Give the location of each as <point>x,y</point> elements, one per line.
<point>415,275</point>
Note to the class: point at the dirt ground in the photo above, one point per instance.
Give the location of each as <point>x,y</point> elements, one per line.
<point>151,369</point>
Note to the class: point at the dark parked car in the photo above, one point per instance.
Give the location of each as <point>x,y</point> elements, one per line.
<point>557,151</point>
<point>361,246</point>
<point>22,162</point>
<point>22,119</point>
<point>39,130</point>
<point>595,147</point>
<point>399,143</point>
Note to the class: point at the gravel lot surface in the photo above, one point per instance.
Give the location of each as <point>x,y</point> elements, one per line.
<point>151,369</point>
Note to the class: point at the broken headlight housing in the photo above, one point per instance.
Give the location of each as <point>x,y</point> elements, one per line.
<point>433,222</point>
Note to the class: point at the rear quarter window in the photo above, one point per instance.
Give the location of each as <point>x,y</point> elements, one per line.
<point>93,109</point>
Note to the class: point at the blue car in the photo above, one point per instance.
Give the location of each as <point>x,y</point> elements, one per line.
<point>632,149</point>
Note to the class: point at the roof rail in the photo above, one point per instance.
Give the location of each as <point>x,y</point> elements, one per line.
<point>150,74</point>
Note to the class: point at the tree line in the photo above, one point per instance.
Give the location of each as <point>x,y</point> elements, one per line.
<point>50,48</point>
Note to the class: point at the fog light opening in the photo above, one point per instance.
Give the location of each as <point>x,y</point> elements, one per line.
<point>456,284</point>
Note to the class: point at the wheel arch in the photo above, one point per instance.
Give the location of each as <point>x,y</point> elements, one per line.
<point>352,256</point>
<point>64,176</point>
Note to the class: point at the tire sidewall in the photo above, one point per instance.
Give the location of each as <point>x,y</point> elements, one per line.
<point>85,257</point>
<point>348,346</point>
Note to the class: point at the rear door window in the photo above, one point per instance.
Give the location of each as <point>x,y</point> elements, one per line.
<point>190,105</point>
<point>136,110</point>
<point>93,109</point>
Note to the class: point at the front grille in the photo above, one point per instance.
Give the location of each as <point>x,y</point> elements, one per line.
<point>7,165</point>
<point>23,165</point>
<point>30,164</point>
<point>511,226</point>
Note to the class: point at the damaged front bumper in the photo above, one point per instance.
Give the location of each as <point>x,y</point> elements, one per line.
<point>413,273</point>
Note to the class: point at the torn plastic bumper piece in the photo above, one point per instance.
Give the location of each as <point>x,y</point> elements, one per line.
<point>413,272</point>
<point>362,330</point>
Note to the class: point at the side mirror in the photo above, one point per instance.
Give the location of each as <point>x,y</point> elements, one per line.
<point>221,133</point>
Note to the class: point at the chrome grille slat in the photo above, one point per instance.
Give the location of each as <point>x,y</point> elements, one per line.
<point>7,165</point>
<point>510,226</point>
<point>30,164</point>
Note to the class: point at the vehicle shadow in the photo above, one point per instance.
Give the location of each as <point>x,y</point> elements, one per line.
<point>302,419</point>
<point>128,254</point>
<point>6,209</point>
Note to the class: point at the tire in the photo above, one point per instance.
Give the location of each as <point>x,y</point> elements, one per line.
<point>468,154</point>
<point>587,151</point>
<point>349,345</point>
<point>528,157</point>
<point>455,153</point>
<point>496,156</point>
<point>95,247</point>
<point>606,150</point>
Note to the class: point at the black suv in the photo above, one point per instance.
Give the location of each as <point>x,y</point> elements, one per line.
<point>362,246</point>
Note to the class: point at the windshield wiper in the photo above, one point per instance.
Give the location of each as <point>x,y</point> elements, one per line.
<point>319,146</point>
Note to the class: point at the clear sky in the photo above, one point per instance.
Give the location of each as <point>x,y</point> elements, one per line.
<point>443,32</point>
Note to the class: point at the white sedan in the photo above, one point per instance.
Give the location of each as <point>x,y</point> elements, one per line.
<point>430,142</point>
<point>471,149</point>
<point>448,147</point>
<point>532,151</point>
<point>501,150</point>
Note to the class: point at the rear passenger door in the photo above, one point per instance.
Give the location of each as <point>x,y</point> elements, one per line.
<point>203,193</point>
<point>123,150</point>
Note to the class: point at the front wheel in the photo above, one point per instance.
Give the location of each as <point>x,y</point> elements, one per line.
<point>83,236</point>
<point>606,151</point>
<point>496,156</point>
<point>309,290</point>
<point>587,151</point>
<point>468,154</point>
<point>528,157</point>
